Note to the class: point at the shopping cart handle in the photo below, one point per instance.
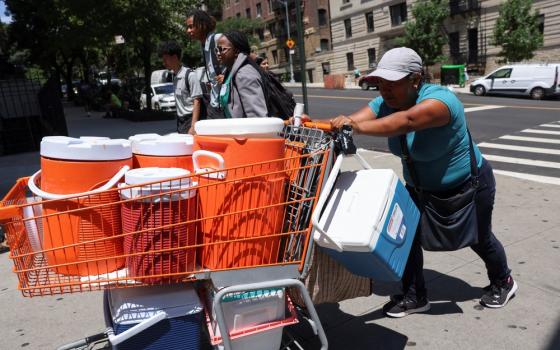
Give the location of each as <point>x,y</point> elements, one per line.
<point>142,326</point>
<point>325,126</point>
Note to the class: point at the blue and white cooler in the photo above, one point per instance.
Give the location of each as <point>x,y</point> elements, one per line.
<point>154,317</point>
<point>368,222</point>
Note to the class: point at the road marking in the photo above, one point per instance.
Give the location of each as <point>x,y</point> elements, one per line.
<point>547,132</point>
<point>539,163</point>
<point>536,178</point>
<point>481,108</point>
<point>520,148</point>
<point>529,139</point>
<point>551,125</point>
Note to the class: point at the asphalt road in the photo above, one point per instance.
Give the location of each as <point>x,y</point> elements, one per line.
<point>520,137</point>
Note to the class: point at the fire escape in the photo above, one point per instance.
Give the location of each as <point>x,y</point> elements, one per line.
<point>474,54</point>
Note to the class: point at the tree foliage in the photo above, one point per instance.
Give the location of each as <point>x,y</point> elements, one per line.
<point>425,33</point>
<point>517,30</point>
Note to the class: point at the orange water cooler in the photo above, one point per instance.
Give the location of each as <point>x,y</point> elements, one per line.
<point>228,143</point>
<point>73,167</point>
<point>167,151</point>
<point>159,227</point>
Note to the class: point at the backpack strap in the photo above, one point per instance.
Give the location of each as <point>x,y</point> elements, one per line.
<point>213,58</point>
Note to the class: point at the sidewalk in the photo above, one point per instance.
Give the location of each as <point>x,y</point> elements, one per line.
<point>525,220</point>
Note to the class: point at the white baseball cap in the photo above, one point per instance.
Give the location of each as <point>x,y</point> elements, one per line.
<point>397,63</point>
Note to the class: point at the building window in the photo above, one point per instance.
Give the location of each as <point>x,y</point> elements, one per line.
<point>348,27</point>
<point>270,9</point>
<point>275,56</point>
<point>324,44</point>
<point>272,30</point>
<point>454,47</point>
<point>322,17</point>
<point>345,1</point>
<point>326,68</point>
<point>473,45</point>
<point>371,58</point>
<point>260,33</point>
<point>541,24</point>
<point>248,12</point>
<point>350,61</point>
<point>259,10</point>
<point>369,22</point>
<point>398,14</point>
<point>236,1</point>
<point>238,15</point>
<point>227,3</point>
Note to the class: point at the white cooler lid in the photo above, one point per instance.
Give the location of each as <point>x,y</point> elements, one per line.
<point>85,148</point>
<point>157,145</point>
<point>133,305</point>
<point>144,175</point>
<point>248,127</point>
<point>354,214</point>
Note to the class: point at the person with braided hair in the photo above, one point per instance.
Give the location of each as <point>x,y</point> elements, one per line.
<point>200,26</point>
<point>242,94</point>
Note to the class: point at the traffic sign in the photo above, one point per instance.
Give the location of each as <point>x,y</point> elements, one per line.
<point>290,43</point>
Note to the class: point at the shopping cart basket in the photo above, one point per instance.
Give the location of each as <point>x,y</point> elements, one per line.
<point>283,246</point>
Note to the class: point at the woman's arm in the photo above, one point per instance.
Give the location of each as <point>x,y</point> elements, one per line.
<point>427,114</point>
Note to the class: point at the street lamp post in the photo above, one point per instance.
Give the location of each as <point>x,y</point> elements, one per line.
<point>285,3</point>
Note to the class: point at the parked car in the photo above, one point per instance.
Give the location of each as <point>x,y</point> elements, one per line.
<point>535,80</point>
<point>367,82</point>
<point>163,97</point>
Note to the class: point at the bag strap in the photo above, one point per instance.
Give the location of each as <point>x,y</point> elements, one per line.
<point>213,58</point>
<point>412,170</point>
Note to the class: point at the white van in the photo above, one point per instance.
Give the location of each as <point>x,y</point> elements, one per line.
<point>535,80</point>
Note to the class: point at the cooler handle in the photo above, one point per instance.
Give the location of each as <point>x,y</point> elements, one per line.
<point>140,327</point>
<point>217,175</point>
<point>46,195</point>
<point>320,235</point>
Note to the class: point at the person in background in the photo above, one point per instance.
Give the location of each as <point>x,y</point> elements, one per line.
<point>357,75</point>
<point>114,104</point>
<point>242,93</point>
<point>186,87</point>
<point>432,120</point>
<point>262,62</point>
<point>201,26</point>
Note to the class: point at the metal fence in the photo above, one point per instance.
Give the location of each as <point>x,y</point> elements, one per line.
<point>29,109</point>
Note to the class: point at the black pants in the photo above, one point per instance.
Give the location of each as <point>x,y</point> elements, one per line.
<point>488,248</point>
<point>184,123</point>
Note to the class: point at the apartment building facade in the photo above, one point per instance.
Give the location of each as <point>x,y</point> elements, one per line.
<point>362,30</point>
<point>273,37</point>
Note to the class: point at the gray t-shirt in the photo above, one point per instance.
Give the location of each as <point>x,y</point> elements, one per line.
<point>185,94</point>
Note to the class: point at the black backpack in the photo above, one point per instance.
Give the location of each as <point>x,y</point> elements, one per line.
<point>280,102</point>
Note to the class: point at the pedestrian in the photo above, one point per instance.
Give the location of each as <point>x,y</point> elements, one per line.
<point>242,93</point>
<point>186,87</point>
<point>201,26</point>
<point>262,62</point>
<point>357,75</point>
<point>427,123</point>
<point>113,105</point>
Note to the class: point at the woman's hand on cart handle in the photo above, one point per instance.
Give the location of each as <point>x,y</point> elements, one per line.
<point>342,120</point>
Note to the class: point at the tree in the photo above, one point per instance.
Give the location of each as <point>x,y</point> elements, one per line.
<point>426,34</point>
<point>517,31</point>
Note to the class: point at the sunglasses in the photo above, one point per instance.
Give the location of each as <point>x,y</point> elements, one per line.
<point>221,49</point>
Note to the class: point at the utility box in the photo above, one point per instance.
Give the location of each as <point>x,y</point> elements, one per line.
<point>453,74</point>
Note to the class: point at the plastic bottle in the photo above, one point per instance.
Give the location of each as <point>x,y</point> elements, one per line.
<point>298,112</point>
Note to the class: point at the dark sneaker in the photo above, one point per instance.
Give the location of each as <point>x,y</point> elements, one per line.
<point>401,306</point>
<point>499,293</point>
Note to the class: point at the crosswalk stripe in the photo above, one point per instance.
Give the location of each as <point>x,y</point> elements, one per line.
<point>522,161</point>
<point>481,108</point>
<point>529,139</point>
<point>536,178</point>
<point>551,125</point>
<point>547,132</point>
<point>519,148</point>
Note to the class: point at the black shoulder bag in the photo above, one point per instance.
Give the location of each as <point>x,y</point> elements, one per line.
<point>448,223</point>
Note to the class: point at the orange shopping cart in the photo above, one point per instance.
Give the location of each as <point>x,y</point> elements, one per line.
<point>244,228</point>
